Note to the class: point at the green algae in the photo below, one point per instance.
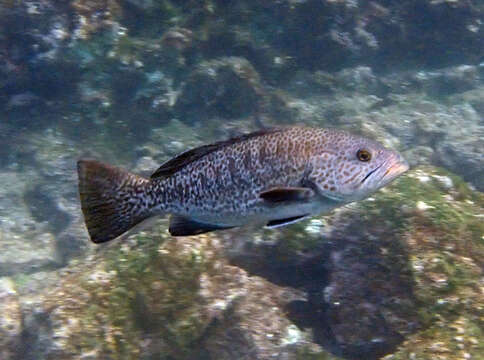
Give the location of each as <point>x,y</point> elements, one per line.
<point>148,286</point>
<point>440,222</point>
<point>157,292</point>
<point>454,340</point>
<point>154,284</point>
<point>432,221</point>
<point>420,202</point>
<point>301,237</point>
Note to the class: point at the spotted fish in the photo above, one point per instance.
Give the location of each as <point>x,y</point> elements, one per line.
<point>272,177</point>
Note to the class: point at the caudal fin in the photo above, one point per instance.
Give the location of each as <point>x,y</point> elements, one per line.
<point>112,200</point>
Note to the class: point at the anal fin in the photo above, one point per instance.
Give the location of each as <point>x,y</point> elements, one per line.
<point>283,222</point>
<point>183,226</point>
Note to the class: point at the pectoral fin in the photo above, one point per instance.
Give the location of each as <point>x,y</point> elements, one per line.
<point>183,226</point>
<point>281,194</point>
<point>283,222</point>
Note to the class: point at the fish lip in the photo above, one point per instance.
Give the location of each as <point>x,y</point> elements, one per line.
<point>396,169</point>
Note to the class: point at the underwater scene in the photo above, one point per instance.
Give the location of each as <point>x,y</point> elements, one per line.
<point>251,179</point>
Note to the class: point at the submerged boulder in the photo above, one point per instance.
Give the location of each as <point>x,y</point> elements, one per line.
<point>228,87</point>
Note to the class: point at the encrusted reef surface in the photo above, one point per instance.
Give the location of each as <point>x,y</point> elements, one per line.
<point>398,275</point>
<point>386,275</point>
<point>135,82</point>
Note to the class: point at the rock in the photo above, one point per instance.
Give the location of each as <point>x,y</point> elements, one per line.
<point>11,319</point>
<point>156,16</point>
<point>447,135</point>
<point>177,38</point>
<point>395,273</point>
<point>27,99</point>
<point>474,98</point>
<point>153,295</point>
<point>42,226</point>
<point>34,61</point>
<point>146,166</point>
<point>142,4</point>
<point>430,242</point>
<point>227,87</point>
<point>381,34</point>
<point>28,253</point>
<point>360,79</point>
<point>26,245</point>
<point>53,198</point>
<point>447,81</point>
<point>169,141</point>
<point>93,16</point>
<point>381,266</point>
<point>459,149</point>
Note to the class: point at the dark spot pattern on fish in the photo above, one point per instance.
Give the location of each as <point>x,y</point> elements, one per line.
<point>177,163</point>
<point>220,184</point>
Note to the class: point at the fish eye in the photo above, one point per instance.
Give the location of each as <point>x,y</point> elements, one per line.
<point>363,155</point>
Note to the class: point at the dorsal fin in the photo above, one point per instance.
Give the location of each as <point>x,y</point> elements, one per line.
<point>178,162</point>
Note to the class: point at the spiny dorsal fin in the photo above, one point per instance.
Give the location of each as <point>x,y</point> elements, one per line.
<point>183,226</point>
<point>280,194</point>
<point>178,162</point>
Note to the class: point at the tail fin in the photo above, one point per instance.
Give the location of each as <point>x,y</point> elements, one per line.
<point>112,200</point>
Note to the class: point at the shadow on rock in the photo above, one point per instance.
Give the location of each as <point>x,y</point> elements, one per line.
<point>359,289</point>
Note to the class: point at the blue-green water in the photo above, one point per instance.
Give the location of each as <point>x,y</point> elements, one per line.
<point>134,83</point>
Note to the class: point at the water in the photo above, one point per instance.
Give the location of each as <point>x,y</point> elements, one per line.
<point>133,83</point>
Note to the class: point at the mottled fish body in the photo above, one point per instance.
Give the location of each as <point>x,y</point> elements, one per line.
<point>274,177</point>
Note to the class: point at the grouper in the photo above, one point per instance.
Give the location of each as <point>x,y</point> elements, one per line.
<point>272,177</point>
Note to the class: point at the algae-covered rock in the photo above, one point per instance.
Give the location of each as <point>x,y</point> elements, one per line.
<point>444,235</point>
<point>434,218</point>
<point>93,16</point>
<point>395,275</point>
<point>11,319</point>
<point>25,244</point>
<point>153,296</point>
<point>139,299</point>
<point>387,273</point>
<point>228,87</point>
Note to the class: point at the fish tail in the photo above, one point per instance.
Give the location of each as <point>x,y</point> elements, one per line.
<point>112,199</point>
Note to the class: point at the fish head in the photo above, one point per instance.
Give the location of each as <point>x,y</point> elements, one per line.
<point>350,167</point>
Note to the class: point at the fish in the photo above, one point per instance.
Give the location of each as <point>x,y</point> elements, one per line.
<point>272,177</point>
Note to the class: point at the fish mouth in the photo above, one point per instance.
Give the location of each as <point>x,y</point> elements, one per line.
<point>394,166</point>
<point>396,169</point>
